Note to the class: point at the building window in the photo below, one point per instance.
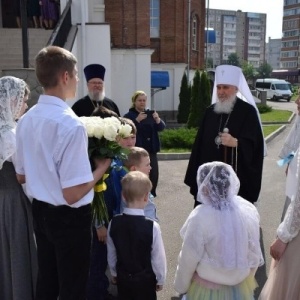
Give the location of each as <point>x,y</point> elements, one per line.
<point>194,33</point>
<point>154,18</point>
<point>291,2</point>
<point>291,33</point>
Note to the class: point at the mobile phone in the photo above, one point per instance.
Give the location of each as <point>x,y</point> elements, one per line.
<point>149,112</point>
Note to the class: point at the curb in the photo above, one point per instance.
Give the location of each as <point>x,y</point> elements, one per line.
<point>186,155</point>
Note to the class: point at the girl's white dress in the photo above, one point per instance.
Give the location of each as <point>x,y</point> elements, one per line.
<point>284,278</point>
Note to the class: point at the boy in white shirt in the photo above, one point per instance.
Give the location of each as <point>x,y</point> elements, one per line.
<point>52,158</point>
<point>136,254</point>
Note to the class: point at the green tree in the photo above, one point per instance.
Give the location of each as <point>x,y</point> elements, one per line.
<point>193,120</point>
<point>205,94</point>
<point>209,62</point>
<point>233,60</point>
<point>200,100</point>
<point>248,70</point>
<point>264,70</point>
<point>184,100</point>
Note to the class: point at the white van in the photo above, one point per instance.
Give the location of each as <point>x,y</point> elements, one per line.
<point>276,88</point>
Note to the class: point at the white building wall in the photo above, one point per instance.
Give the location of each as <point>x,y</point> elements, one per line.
<point>168,99</point>
<point>127,70</point>
<point>96,38</point>
<point>131,71</point>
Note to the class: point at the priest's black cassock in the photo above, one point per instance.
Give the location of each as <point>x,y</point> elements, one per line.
<point>84,107</point>
<point>246,159</point>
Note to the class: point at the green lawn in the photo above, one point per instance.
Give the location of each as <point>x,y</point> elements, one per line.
<point>267,130</point>
<point>276,115</point>
<point>294,97</point>
<point>185,137</point>
<point>175,150</point>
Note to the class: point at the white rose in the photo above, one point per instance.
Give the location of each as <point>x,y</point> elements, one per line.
<point>90,129</point>
<point>114,120</point>
<point>111,128</point>
<point>99,132</point>
<point>110,131</point>
<point>88,126</point>
<point>94,126</point>
<point>125,131</point>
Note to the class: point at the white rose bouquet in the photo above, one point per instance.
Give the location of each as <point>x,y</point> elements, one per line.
<point>102,135</point>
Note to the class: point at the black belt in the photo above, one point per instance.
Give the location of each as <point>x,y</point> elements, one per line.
<point>59,207</point>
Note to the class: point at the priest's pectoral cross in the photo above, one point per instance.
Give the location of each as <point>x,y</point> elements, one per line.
<point>218,140</point>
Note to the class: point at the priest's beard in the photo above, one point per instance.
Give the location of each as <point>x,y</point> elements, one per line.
<point>96,95</point>
<point>225,106</point>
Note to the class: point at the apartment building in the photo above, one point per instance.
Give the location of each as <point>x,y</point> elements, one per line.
<point>238,32</point>
<point>290,35</point>
<point>273,49</point>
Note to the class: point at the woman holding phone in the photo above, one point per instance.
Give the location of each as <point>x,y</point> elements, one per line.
<point>148,124</point>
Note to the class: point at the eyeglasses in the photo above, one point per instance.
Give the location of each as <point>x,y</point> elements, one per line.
<point>95,82</point>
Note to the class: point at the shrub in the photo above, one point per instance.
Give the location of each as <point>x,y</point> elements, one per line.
<point>178,138</point>
<point>184,100</point>
<point>195,109</point>
<point>200,99</point>
<point>264,108</point>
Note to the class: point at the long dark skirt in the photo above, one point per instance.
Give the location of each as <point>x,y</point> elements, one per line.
<point>18,262</point>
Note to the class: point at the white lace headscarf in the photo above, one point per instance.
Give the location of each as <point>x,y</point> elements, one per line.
<point>235,219</point>
<point>12,91</point>
<point>217,185</point>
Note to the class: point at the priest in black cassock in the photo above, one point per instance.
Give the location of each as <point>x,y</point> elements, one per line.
<point>230,132</point>
<point>85,106</point>
<point>98,282</point>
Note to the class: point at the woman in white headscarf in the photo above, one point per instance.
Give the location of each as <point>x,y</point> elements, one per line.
<point>18,264</point>
<point>221,251</point>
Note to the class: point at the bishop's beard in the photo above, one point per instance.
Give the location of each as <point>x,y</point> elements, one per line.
<point>225,106</point>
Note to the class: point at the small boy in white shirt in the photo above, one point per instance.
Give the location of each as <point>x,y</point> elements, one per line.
<point>136,254</point>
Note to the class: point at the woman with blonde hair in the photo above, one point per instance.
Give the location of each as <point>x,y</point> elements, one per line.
<point>148,124</point>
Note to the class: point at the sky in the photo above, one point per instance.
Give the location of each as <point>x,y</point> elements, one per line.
<point>273,9</point>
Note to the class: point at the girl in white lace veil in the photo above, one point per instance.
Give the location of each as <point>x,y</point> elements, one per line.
<point>220,237</point>
<point>218,186</point>
<point>12,106</point>
<point>18,262</point>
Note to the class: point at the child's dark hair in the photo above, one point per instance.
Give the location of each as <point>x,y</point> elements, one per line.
<point>104,112</point>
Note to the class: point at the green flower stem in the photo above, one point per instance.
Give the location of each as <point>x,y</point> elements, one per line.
<point>99,208</point>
